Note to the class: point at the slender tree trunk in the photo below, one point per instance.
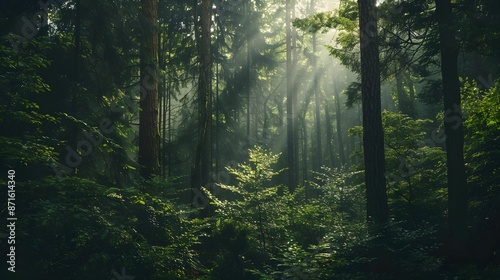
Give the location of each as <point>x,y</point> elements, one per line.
<point>301,119</point>
<point>169,116</point>
<point>339,128</point>
<point>203,157</point>
<point>169,110</point>
<point>400,92</point>
<point>265,125</point>
<point>373,137</point>
<point>247,74</point>
<point>256,115</point>
<point>289,102</point>
<point>457,180</point>
<point>317,119</point>
<point>304,150</point>
<point>351,140</point>
<point>295,103</point>
<point>217,109</point>
<point>149,134</point>
<point>73,105</point>
<point>162,92</point>
<point>329,135</point>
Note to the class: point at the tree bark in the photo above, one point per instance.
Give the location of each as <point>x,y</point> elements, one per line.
<point>289,103</point>
<point>247,74</point>
<point>318,160</point>
<point>329,135</point>
<point>457,180</point>
<point>305,176</point>
<point>400,92</point>
<point>339,129</point>
<point>203,158</point>
<point>149,134</point>
<point>373,138</point>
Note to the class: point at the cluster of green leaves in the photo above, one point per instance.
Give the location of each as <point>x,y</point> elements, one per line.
<point>416,170</point>
<point>250,213</point>
<point>482,121</point>
<point>24,136</point>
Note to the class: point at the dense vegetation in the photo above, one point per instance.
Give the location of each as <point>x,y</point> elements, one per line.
<point>250,139</point>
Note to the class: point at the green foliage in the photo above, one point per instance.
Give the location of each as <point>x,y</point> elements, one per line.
<point>254,174</point>
<point>356,254</point>
<point>251,215</point>
<point>482,121</point>
<point>231,240</point>
<point>82,68</point>
<point>24,138</point>
<point>353,92</point>
<point>252,200</point>
<point>323,22</point>
<point>342,193</point>
<point>75,221</point>
<point>345,21</point>
<point>415,171</point>
<point>415,167</point>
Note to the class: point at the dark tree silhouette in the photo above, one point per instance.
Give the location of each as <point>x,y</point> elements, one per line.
<point>457,181</point>
<point>202,163</point>
<point>373,138</point>
<point>149,136</point>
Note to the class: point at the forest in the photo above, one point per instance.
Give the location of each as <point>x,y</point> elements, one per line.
<point>250,139</point>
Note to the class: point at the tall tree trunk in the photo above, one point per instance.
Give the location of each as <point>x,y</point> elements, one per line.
<point>289,102</point>
<point>265,125</point>
<point>162,93</point>
<point>203,158</point>
<point>339,128</point>
<point>457,180</point>
<point>149,134</point>
<point>305,176</point>
<point>351,140</point>
<point>217,108</point>
<point>329,135</point>
<point>73,108</point>
<point>301,119</point>
<point>373,137</point>
<point>295,103</point>
<point>169,115</point>
<point>169,110</point>
<point>317,119</point>
<point>247,73</point>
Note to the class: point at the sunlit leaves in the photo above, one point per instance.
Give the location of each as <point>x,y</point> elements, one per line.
<point>251,190</point>
<point>324,22</point>
<point>415,171</point>
<point>401,132</point>
<point>258,170</point>
<point>482,134</point>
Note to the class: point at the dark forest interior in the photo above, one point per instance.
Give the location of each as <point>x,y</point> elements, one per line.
<point>250,139</point>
